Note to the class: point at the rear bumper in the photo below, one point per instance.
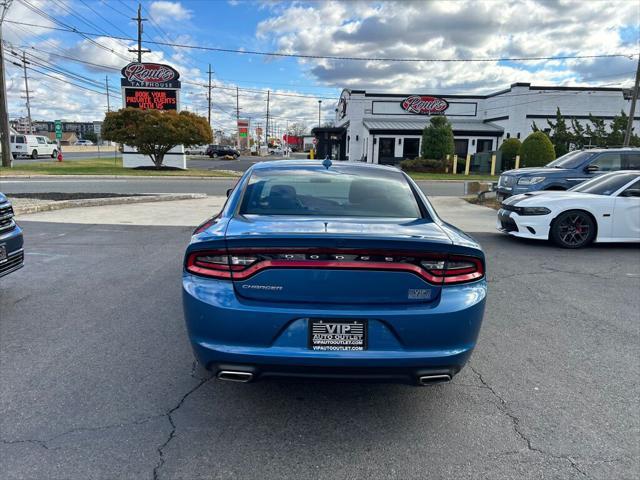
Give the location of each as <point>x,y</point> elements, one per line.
<point>270,340</point>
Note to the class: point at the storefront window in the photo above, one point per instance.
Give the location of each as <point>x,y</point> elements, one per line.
<point>411,148</point>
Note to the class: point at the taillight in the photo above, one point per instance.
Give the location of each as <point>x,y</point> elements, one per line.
<point>463,269</point>
<point>217,265</point>
<point>436,269</point>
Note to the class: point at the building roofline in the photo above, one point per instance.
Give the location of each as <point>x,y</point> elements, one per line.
<point>500,92</point>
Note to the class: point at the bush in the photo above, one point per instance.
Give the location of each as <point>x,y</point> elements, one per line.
<point>509,148</point>
<point>437,139</point>
<point>422,165</point>
<point>536,150</point>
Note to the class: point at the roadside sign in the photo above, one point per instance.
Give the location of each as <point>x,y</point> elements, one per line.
<point>58,129</point>
<point>315,141</point>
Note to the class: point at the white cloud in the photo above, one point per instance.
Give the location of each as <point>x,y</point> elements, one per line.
<point>169,11</point>
<point>462,29</point>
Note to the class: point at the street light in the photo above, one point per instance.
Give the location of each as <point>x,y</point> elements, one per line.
<point>319,105</point>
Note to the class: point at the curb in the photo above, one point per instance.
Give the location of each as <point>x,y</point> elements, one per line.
<point>97,202</point>
<point>124,177</point>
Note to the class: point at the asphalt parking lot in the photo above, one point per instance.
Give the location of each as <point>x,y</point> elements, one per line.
<point>98,380</point>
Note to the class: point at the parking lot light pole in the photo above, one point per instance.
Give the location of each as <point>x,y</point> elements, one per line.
<point>319,105</point>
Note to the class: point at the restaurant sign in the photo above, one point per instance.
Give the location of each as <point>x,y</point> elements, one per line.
<point>424,105</point>
<point>150,75</point>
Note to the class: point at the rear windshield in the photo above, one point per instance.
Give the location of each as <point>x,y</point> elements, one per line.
<point>606,184</point>
<point>571,159</point>
<point>329,192</point>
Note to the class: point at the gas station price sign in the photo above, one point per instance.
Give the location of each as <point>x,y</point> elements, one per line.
<point>146,98</point>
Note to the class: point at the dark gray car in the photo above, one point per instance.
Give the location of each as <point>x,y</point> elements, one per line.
<point>567,171</point>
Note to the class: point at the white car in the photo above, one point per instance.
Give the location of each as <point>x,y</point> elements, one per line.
<point>604,209</point>
<point>84,142</point>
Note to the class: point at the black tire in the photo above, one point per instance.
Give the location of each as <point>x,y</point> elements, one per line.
<point>215,155</point>
<point>573,229</point>
<point>54,154</point>
<point>34,154</point>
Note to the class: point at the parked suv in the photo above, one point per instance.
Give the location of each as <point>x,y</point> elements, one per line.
<point>11,253</point>
<point>569,170</point>
<point>221,151</point>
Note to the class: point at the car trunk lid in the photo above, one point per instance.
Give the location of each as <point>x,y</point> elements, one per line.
<point>330,260</point>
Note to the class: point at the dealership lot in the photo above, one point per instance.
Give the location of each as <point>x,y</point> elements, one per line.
<point>98,378</point>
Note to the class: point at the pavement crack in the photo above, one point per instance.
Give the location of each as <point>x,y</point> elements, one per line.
<point>515,421</point>
<point>40,443</point>
<point>44,443</point>
<point>172,433</point>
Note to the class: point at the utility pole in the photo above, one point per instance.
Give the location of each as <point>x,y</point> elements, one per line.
<point>26,89</point>
<point>209,96</point>
<point>106,81</point>
<point>266,129</point>
<point>139,50</point>
<point>632,110</point>
<point>5,131</point>
<point>238,116</point>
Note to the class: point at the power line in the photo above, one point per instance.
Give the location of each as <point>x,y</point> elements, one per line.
<point>332,57</point>
<point>70,28</point>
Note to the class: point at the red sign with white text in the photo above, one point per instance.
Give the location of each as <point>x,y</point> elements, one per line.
<point>424,105</point>
<point>150,75</point>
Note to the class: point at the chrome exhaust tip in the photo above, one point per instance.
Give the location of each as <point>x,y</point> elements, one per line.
<point>235,376</point>
<point>433,379</point>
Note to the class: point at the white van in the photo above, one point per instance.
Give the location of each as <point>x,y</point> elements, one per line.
<point>33,146</point>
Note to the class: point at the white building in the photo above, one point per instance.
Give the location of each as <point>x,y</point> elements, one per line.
<point>387,127</point>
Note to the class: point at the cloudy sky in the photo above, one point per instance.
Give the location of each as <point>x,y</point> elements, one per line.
<point>459,29</point>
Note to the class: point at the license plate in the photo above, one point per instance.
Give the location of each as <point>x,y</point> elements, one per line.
<point>3,253</point>
<point>332,335</point>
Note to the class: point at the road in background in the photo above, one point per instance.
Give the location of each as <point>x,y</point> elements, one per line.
<point>67,156</point>
<point>210,186</point>
<point>98,377</point>
<point>193,161</point>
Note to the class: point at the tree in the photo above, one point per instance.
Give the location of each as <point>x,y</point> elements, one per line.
<point>597,132</point>
<point>509,148</point>
<point>618,130</point>
<point>437,139</point>
<point>579,134</point>
<point>297,129</point>
<point>560,135</point>
<point>155,132</point>
<point>536,150</point>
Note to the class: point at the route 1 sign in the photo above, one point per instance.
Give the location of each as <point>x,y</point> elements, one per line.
<point>58,129</point>
<point>315,141</point>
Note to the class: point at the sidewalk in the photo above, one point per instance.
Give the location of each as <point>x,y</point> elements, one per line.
<point>471,218</point>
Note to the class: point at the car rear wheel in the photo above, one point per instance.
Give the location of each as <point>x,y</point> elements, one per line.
<point>573,229</point>
<point>34,154</point>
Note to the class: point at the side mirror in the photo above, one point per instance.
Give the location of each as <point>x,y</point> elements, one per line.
<point>631,192</point>
<point>229,192</point>
<point>592,168</point>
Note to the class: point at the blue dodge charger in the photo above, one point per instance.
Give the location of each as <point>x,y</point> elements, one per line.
<point>332,271</point>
